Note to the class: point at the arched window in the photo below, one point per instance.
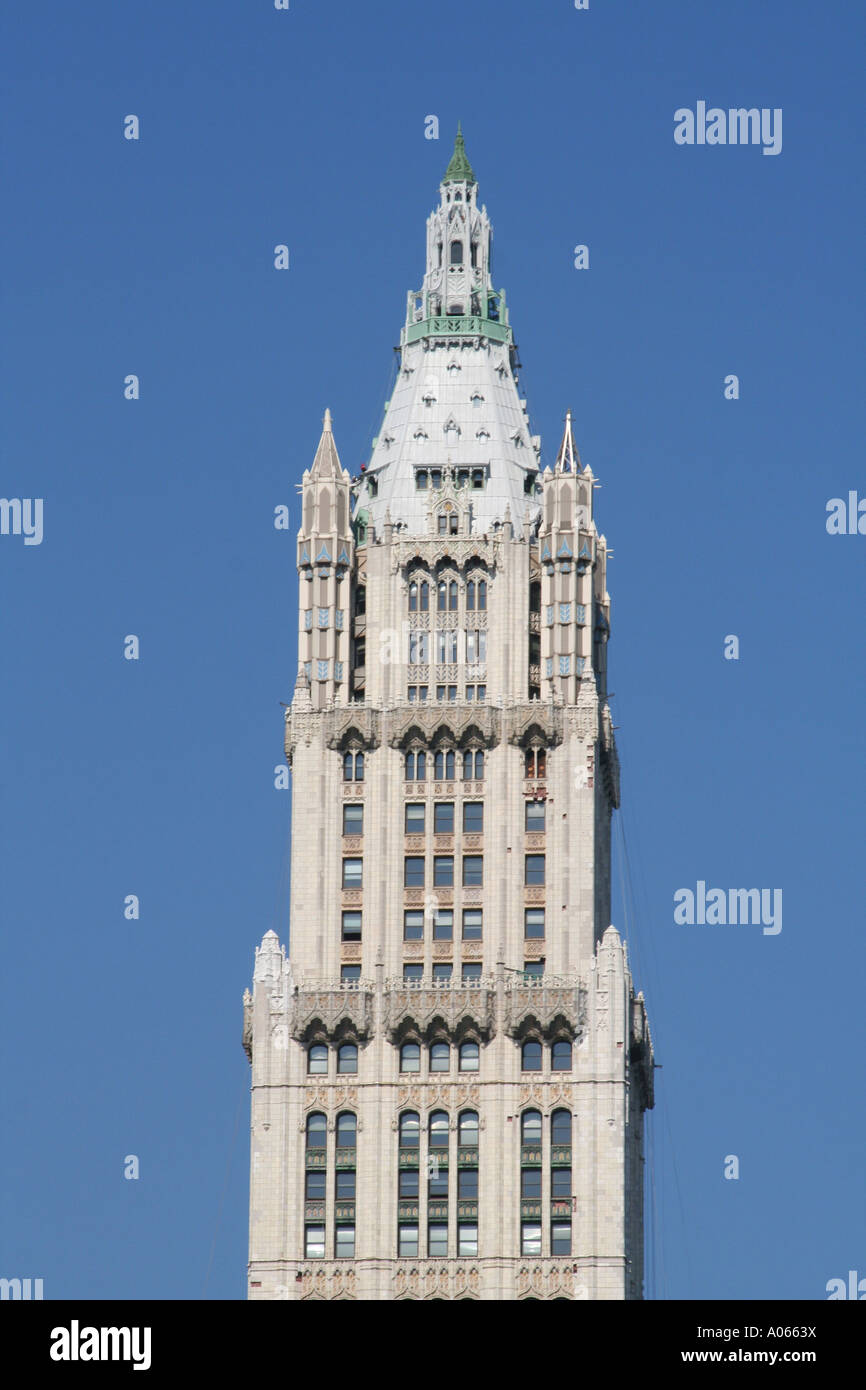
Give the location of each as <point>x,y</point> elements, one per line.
<point>443,765</point>
<point>470,595</point>
<point>413,597</point>
<point>530,1127</point>
<point>560,1057</point>
<point>479,765</point>
<point>424,596</point>
<point>439,1130</point>
<point>317,1060</point>
<point>441,596</point>
<point>410,1129</point>
<point>440,1056</point>
<point>457,253</point>
<point>452,596</point>
<point>560,1127</point>
<point>347,1058</point>
<point>467,1129</point>
<point>535,597</point>
<point>482,593</point>
<point>410,1056</point>
<point>536,762</point>
<point>416,766</point>
<point>409,769</point>
<point>317,1131</point>
<point>347,1130</point>
<point>353,767</point>
<point>530,1056</point>
<point>469,1056</point>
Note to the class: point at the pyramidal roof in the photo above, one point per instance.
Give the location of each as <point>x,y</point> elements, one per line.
<point>326,464</point>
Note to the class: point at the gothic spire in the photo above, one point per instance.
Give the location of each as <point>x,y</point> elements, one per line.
<point>326,464</point>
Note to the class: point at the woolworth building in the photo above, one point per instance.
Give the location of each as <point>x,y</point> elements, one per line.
<point>450,1066</point>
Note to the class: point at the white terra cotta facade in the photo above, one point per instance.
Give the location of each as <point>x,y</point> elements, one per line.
<point>450,1066</point>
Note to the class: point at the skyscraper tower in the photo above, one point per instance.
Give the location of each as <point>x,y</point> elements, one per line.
<point>450,1067</point>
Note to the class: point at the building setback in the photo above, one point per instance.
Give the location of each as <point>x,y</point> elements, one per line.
<point>450,1067</point>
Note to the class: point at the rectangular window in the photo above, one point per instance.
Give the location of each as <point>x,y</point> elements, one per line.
<point>413,926</point>
<point>409,1182</point>
<point>352,871</point>
<point>530,1183</point>
<point>533,970</point>
<point>535,817</point>
<point>353,818</point>
<point>443,925</point>
<point>560,1182</point>
<point>467,1238</point>
<point>482,692</point>
<point>438,1184</point>
<point>413,974</point>
<point>415,818</point>
<point>344,1188</point>
<point>467,1184</point>
<point>530,1238</point>
<point>441,973</point>
<point>413,871</point>
<point>344,1243</point>
<point>471,970</point>
<point>349,973</point>
<point>472,924</point>
<point>473,817</point>
<point>560,1238</point>
<point>351,929</point>
<point>443,871</point>
<point>535,869</point>
<point>422,693</point>
<point>408,1240</point>
<point>437,1239</point>
<point>443,818</point>
<point>473,870</point>
<point>533,924</point>
<point>315,1188</point>
<point>314,1242</point>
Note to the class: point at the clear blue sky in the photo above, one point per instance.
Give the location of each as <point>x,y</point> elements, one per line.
<point>156,777</point>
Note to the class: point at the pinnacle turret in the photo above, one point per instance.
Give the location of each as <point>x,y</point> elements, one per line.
<point>459,169</point>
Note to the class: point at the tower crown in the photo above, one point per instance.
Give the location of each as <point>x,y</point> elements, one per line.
<point>455,410</point>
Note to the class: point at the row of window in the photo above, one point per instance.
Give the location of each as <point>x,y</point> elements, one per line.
<point>442,973</point>
<point>439,1057</point>
<point>442,764</point>
<point>415,817</point>
<point>447,595</point>
<point>409,1128</point>
<point>414,870</point>
<point>414,920</point>
<point>417,694</point>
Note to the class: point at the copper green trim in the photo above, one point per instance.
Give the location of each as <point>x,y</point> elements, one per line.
<point>457,326</point>
<point>459,169</point>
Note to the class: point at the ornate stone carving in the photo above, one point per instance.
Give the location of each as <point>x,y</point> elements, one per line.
<point>328,1007</point>
<point>468,1003</point>
<point>558,1003</point>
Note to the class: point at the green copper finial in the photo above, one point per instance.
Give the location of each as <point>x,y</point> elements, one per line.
<point>459,170</point>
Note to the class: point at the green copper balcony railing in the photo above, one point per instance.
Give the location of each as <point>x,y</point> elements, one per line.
<point>347,1158</point>
<point>409,1157</point>
<point>560,1156</point>
<point>530,1154</point>
<point>456,326</point>
<point>317,1158</point>
<point>467,1156</point>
